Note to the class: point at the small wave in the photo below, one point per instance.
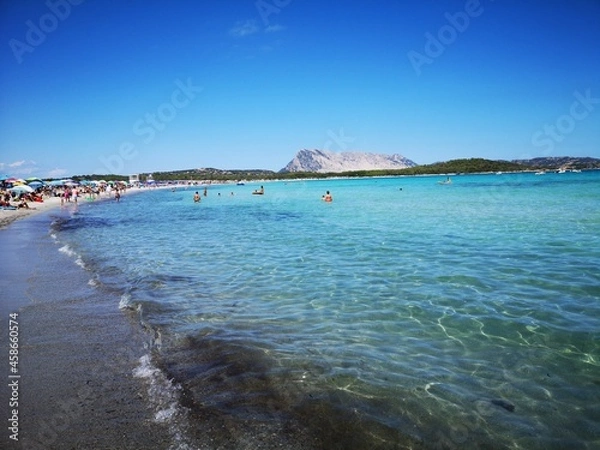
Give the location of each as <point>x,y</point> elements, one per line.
<point>146,369</point>
<point>67,250</point>
<point>163,394</point>
<point>164,397</point>
<point>126,303</point>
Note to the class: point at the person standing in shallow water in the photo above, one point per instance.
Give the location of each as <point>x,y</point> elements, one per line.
<point>196,197</point>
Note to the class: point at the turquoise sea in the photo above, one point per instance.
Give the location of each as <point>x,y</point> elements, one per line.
<point>404,314</point>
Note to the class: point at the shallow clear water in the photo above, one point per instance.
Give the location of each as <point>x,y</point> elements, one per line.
<point>460,316</point>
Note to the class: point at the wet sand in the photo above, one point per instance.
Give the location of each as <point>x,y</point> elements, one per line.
<point>7,216</point>
<point>77,352</point>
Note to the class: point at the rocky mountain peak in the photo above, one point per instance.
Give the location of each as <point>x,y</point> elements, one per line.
<point>322,161</point>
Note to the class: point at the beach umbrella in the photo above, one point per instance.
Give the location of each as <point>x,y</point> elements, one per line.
<point>10,180</point>
<point>30,179</point>
<point>35,184</point>
<point>21,188</point>
<point>4,177</point>
<point>56,183</point>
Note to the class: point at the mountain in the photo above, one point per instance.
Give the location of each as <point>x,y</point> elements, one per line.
<point>323,161</point>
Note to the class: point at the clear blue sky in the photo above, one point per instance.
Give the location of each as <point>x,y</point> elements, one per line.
<point>137,86</point>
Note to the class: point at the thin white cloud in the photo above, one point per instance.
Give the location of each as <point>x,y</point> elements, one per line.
<point>26,168</point>
<point>243,29</point>
<point>57,173</point>
<point>274,28</point>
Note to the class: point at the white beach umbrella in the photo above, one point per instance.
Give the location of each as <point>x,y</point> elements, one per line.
<point>21,188</point>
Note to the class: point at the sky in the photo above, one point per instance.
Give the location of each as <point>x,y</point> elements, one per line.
<point>138,86</point>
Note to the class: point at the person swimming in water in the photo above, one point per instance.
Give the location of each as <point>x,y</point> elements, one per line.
<point>327,197</point>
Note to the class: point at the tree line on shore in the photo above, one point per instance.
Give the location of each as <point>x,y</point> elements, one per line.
<point>456,166</point>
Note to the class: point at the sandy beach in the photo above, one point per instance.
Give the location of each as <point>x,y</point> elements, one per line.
<point>7,216</point>
<point>73,384</point>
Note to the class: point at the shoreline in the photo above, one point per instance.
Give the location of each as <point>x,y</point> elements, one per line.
<point>8,216</point>
<point>77,351</point>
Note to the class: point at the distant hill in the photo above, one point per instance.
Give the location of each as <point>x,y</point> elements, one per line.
<point>480,165</point>
<point>468,165</point>
<point>211,174</point>
<point>323,161</point>
<point>560,162</point>
<point>314,164</point>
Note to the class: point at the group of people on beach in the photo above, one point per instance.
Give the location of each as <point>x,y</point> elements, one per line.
<point>10,201</point>
<point>71,194</point>
<point>67,194</point>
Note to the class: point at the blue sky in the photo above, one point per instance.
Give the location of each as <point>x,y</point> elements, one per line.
<point>139,86</point>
